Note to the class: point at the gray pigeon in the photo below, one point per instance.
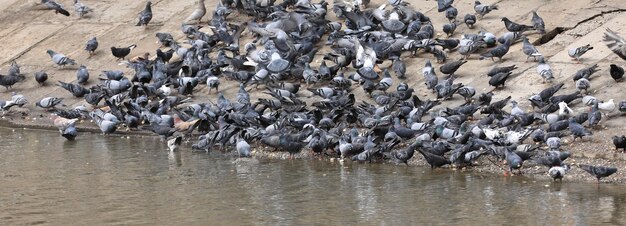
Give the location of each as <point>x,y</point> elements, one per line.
<point>544,70</point>
<point>48,102</point>
<point>483,9</point>
<point>60,59</point>
<point>398,67</point>
<point>145,15</point>
<point>583,84</point>
<point>576,53</point>
<point>243,148</point>
<point>538,23</point>
<point>558,172</point>
<point>92,45</point>
<point>197,14</point>
<point>616,43</point>
<point>81,9</point>
<point>82,75</point>
<point>530,50</point>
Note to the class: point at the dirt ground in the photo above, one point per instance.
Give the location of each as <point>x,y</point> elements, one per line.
<point>26,33</point>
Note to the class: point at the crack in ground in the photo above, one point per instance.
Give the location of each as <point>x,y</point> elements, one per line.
<point>558,30</point>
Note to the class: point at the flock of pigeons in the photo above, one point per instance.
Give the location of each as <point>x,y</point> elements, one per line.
<point>389,123</point>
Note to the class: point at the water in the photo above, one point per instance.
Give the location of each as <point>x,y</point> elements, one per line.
<point>111,180</point>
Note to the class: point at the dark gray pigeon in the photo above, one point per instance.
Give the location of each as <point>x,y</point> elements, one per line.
<point>498,51</point>
<point>51,4</point>
<point>577,130</point>
<point>469,20</point>
<point>599,171</point>
<point>91,46</point>
<point>41,77</point>
<point>145,15</point>
<point>515,27</point>
<point>452,67</point>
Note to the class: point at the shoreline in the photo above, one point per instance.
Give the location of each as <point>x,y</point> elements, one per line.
<point>529,170</point>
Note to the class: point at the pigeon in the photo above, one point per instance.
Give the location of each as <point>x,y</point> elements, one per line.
<point>619,142</point>
<point>41,77</point>
<point>516,110</point>
<point>545,71</point>
<point>498,51</point>
<point>615,43</point>
<point>451,13</point>
<point>398,67</point>
<point>576,53</point>
<point>14,69</point>
<point>121,53</point>
<point>467,92</point>
<point>583,84</point>
<point>505,69</point>
<point>515,27</point>
<point>617,72</point>
<point>145,15</point>
<point>443,5</point>
<point>513,160</point>
<point>599,171</point>
<point>558,172</point>
<point>51,4</point>
<point>81,9</point>
<point>197,14</point>
<point>16,100</point>
<point>538,23</point>
<point>62,123</point>
<point>449,28</point>
<point>165,56</point>
<point>499,79</point>
<point>9,80</point>
<point>82,75</point>
<point>243,148</point>
<point>469,20</point>
<point>594,116</point>
<point>530,50</point>
<point>482,9</point>
<point>577,130</point>
<point>451,67</point>
<point>91,46</point>
<point>48,102</point>
<point>70,133</point>
<point>174,143</point>
<point>60,59</point>
<point>606,106</point>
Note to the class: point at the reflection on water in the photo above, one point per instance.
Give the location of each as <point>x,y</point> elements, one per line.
<point>115,180</point>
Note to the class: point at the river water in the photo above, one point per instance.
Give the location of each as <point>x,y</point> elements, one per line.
<point>116,180</point>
